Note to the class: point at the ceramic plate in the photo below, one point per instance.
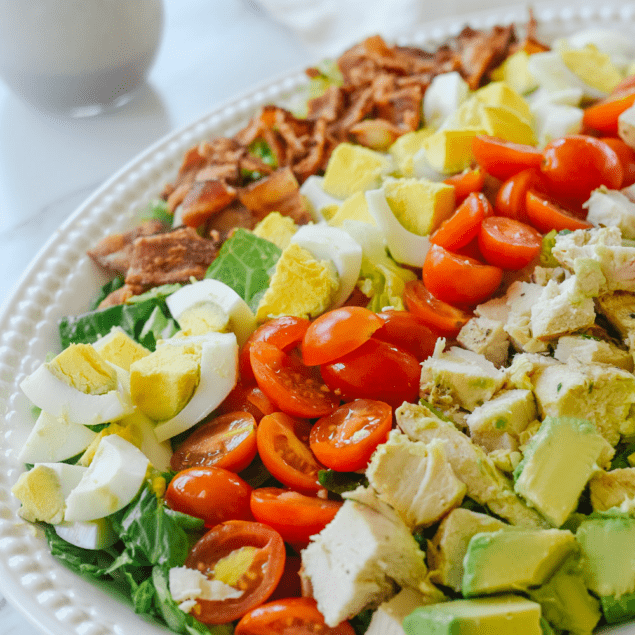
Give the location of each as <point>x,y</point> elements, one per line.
<point>61,280</point>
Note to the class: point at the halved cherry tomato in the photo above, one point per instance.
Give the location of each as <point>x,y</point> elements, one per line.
<point>253,553</point>
<point>577,164</point>
<point>508,243</point>
<point>296,517</point>
<point>626,155</point>
<point>440,316</point>
<point>404,330</point>
<point>503,159</point>
<point>375,370</point>
<point>292,616</point>
<point>603,115</point>
<point>458,279</point>
<point>291,385</point>
<point>338,332</point>
<point>290,585</point>
<point>466,182</point>
<point>346,439</point>
<point>462,227</point>
<point>210,493</point>
<point>511,197</point>
<point>545,214</point>
<point>247,398</point>
<point>228,441</point>
<point>283,445</point>
<point>284,332</point>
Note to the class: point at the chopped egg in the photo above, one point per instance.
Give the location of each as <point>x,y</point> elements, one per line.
<point>443,96</point>
<point>325,242</point>
<point>218,376</point>
<point>276,228</point>
<point>221,298</point>
<point>318,200</point>
<point>89,534</point>
<point>53,439</point>
<point>110,483</point>
<point>119,348</point>
<point>62,399</point>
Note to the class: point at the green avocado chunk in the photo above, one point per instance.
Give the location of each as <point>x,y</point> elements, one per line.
<point>566,602</point>
<point>514,559</point>
<point>557,465</point>
<point>617,610</point>
<point>608,554</point>
<point>500,615</point>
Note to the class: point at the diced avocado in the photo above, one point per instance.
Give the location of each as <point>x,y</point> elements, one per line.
<point>617,610</point>
<point>559,460</point>
<point>592,66</point>
<point>353,169</point>
<point>420,205</point>
<point>450,151</point>
<point>608,554</point>
<point>535,554</point>
<point>506,123</point>
<point>502,94</point>
<point>503,615</point>
<point>404,149</point>
<point>566,602</point>
<point>449,545</point>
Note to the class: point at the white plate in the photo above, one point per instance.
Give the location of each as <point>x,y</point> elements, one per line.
<point>61,280</point>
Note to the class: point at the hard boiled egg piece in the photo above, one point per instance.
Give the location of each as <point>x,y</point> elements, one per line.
<point>64,401</point>
<point>405,247</point>
<point>213,292</point>
<point>616,44</point>
<point>113,479</point>
<point>53,439</point>
<point>443,96</point>
<point>142,428</point>
<point>324,243</point>
<point>218,376</point>
<point>89,534</point>
<point>317,198</point>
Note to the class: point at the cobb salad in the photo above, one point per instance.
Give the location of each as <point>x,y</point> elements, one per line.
<point>368,404</point>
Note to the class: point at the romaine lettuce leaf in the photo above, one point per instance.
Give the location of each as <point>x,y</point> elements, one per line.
<point>243,263</point>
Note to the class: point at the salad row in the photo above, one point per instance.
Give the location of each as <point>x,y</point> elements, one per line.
<point>357,423</point>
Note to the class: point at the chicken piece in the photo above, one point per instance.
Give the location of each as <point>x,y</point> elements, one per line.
<point>486,484</point>
<point>485,337</point>
<point>415,479</point>
<point>612,489</point>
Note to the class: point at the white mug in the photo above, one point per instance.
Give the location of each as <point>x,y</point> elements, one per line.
<point>78,57</point>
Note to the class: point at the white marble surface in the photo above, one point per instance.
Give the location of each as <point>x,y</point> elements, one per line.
<point>212,50</point>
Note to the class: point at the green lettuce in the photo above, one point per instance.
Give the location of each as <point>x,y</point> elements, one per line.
<point>243,263</point>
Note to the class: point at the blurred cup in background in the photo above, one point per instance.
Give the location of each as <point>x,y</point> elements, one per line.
<point>78,58</point>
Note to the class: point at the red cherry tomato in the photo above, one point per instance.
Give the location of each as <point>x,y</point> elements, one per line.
<point>246,398</point>
<point>228,441</point>
<point>626,155</point>
<point>578,164</point>
<point>283,445</point>
<point>545,214</point>
<point>603,115</point>
<point>458,279</point>
<point>290,585</point>
<point>296,517</point>
<point>440,316</point>
<point>210,493</point>
<point>338,332</point>
<point>284,332</point>
<point>375,370</point>
<point>404,330</point>
<point>508,243</point>
<point>465,183</point>
<point>260,577</point>
<point>503,159</point>
<point>462,227</point>
<point>292,386</point>
<point>346,439</point>
<point>292,616</point>
<point>511,197</point>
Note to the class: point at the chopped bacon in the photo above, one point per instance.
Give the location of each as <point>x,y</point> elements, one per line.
<point>223,224</point>
<point>114,252</point>
<point>377,134</point>
<point>204,199</point>
<point>328,106</point>
<point>174,256</point>
<point>278,192</point>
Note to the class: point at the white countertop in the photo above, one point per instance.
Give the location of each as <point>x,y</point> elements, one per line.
<point>212,51</point>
